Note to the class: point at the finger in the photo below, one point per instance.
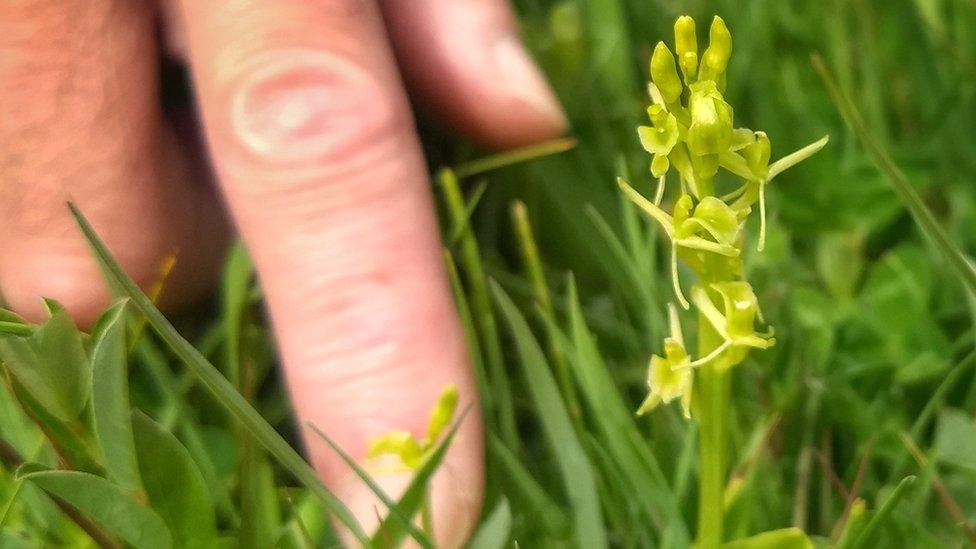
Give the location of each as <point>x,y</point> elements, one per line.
<point>313,141</point>
<point>464,60</point>
<point>79,118</point>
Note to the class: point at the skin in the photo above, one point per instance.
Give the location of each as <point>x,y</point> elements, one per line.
<point>307,140</point>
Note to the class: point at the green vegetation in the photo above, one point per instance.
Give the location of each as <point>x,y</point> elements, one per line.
<point>855,430</point>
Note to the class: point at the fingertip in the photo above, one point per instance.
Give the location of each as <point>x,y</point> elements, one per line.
<point>465,63</point>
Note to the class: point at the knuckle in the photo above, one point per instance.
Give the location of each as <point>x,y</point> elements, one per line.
<point>306,110</point>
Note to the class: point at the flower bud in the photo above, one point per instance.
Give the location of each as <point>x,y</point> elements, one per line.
<point>664,74</point>
<point>686,45</point>
<point>705,167</point>
<point>757,155</point>
<point>660,165</point>
<point>716,58</point>
<point>711,120</point>
<point>682,209</point>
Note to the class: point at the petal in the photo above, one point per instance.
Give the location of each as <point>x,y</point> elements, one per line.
<point>796,157</point>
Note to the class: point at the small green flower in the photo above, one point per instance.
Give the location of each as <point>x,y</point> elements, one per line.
<point>711,120</point>
<point>703,228</point>
<point>659,139</point>
<point>671,376</point>
<point>409,451</point>
<point>735,324</point>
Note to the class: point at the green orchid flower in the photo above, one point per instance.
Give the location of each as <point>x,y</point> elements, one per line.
<point>409,451</point>
<point>710,227</point>
<point>735,323</point>
<point>660,138</point>
<point>751,163</point>
<point>671,376</point>
<point>710,132</point>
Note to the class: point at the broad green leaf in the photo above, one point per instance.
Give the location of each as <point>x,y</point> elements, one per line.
<point>175,487</point>
<point>107,504</point>
<point>955,439</point>
<point>52,365</point>
<point>577,475</point>
<point>219,387</point>
<point>495,530</point>
<point>110,400</point>
<point>787,538</point>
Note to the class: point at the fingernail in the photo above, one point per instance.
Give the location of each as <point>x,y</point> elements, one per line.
<point>521,77</point>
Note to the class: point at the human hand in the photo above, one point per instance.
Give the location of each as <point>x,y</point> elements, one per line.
<point>313,146</point>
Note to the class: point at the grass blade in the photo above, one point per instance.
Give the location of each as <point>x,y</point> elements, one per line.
<point>495,530</point>
<point>616,427</point>
<point>578,477</point>
<point>469,257</point>
<point>405,521</point>
<point>906,192</point>
<point>883,513</point>
<point>221,389</point>
<point>515,156</point>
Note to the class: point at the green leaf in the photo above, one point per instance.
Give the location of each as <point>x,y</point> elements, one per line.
<point>110,400</point>
<point>787,538</point>
<point>174,484</point>
<point>574,466</point>
<point>879,518</point>
<point>106,503</point>
<point>955,439</point>
<point>219,387</point>
<point>495,530</point>
<point>52,365</point>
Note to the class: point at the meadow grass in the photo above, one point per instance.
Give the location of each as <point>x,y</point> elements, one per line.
<point>562,287</point>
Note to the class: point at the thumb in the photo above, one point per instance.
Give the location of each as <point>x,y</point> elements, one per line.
<point>315,150</point>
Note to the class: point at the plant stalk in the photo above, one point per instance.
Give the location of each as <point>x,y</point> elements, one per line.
<point>712,405</point>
